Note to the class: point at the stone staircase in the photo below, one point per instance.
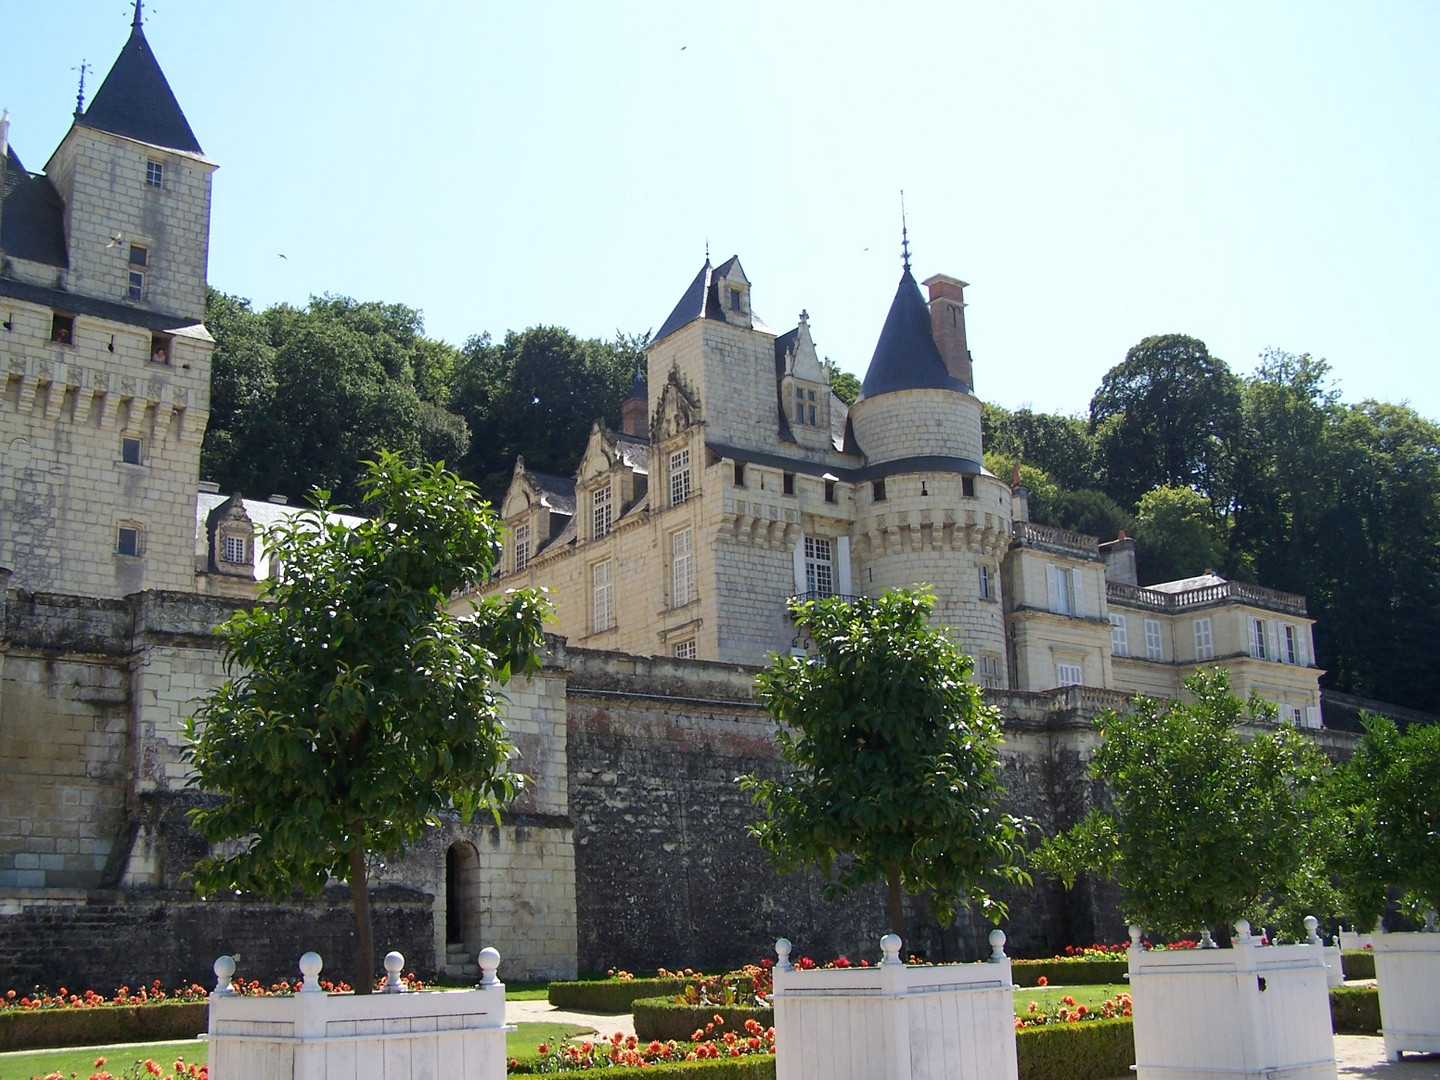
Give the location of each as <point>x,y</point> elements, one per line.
<point>460,963</point>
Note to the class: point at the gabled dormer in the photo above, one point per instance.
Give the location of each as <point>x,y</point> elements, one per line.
<point>804,388</point>
<point>231,539</point>
<point>732,288</point>
<point>611,481</point>
<point>539,511</point>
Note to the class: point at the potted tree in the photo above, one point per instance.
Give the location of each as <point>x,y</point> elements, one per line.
<point>1388,796</point>
<point>893,776</point>
<point>1207,823</point>
<point>358,710</point>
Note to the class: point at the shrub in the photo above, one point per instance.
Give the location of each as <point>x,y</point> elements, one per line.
<point>1089,1051</point>
<point>41,1028</point>
<point>1358,964</point>
<point>1355,1010</point>
<point>610,995</point>
<point>1064,972</point>
<point>665,1018</point>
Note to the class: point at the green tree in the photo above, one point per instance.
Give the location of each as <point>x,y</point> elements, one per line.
<point>844,385</point>
<point>1166,416</point>
<point>359,709</point>
<point>1061,446</point>
<point>893,760</point>
<point>1043,491</point>
<point>1091,512</point>
<point>1176,535</point>
<point>1207,821</point>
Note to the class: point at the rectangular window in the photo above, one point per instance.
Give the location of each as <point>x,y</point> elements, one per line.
<point>984,581</point>
<point>1257,638</point>
<point>739,474</point>
<point>600,512</point>
<point>159,349</point>
<point>799,406</point>
<point>1292,645</point>
<point>135,289</point>
<point>1154,641</point>
<point>989,668</point>
<point>684,650</point>
<point>1119,636</point>
<point>812,416</point>
<point>139,256</point>
<point>819,567</point>
<point>127,541</point>
<point>1069,675</point>
<point>235,549</point>
<point>62,328</point>
<point>1204,640</point>
<point>877,490</point>
<point>131,451</point>
<point>1059,589</point>
<point>735,300</point>
<point>679,477</point>
<point>682,568</point>
<point>967,486</point>
<point>830,491</point>
<point>154,174</point>
<point>788,483</point>
<point>522,547</point>
<point>602,596</point>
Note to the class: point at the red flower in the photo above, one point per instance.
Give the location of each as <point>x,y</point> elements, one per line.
<point>1042,981</point>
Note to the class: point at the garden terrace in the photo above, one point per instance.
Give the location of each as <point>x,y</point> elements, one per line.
<point>1048,538</point>
<point>1238,592</point>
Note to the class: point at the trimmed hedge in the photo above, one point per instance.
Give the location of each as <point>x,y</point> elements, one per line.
<point>1357,964</point>
<point>1355,1010</point>
<point>1069,972</point>
<point>1089,1050</point>
<point>41,1029</point>
<point>744,1068</point>
<point>665,1018</point>
<point>610,995</point>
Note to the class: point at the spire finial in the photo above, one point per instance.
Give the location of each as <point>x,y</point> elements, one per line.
<point>904,233</point>
<point>80,95</point>
<point>707,249</point>
<point>136,23</point>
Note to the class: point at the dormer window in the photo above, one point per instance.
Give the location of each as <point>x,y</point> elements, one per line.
<point>155,174</point>
<point>601,516</point>
<point>234,551</point>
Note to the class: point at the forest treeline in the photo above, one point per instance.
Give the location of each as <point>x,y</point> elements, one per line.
<point>1267,477</point>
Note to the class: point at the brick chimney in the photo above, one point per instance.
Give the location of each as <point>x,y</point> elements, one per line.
<point>947,325</point>
<point>633,412</point>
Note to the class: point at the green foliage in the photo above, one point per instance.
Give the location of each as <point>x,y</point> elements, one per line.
<point>1388,796</point>
<point>1066,972</point>
<point>34,1029</point>
<point>1358,964</point>
<point>1355,1010</point>
<point>360,709</point>
<point>844,385</point>
<point>1059,446</point>
<point>1091,512</point>
<point>664,1018</point>
<point>1094,1050</point>
<point>1042,490</point>
<point>893,759</point>
<point>1167,416</point>
<point>1176,535</point>
<point>1207,821</point>
<point>610,995</point>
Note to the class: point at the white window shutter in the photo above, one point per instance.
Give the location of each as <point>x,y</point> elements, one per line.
<point>842,564</point>
<point>1272,645</point>
<point>1254,637</point>
<point>1052,587</point>
<point>1077,607</point>
<point>1312,716</point>
<point>800,565</point>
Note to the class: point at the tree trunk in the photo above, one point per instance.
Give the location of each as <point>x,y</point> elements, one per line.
<point>364,933</point>
<point>897,902</point>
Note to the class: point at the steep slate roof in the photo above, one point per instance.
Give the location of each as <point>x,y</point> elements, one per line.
<point>32,217</point>
<point>905,356</point>
<point>699,302</point>
<point>783,344</point>
<point>136,101</point>
<point>634,451</point>
<point>557,493</point>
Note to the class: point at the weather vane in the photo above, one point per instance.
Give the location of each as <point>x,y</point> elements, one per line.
<point>904,234</point>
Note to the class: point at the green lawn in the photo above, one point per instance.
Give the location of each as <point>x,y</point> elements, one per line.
<point>1048,997</point>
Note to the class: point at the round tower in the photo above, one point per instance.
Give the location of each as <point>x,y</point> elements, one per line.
<point>926,509</point>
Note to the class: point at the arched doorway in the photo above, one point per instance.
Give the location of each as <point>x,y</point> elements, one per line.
<point>462,906</point>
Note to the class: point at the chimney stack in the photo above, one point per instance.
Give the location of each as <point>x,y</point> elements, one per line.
<point>947,325</point>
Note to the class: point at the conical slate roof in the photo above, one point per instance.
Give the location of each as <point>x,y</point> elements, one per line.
<point>136,101</point>
<point>905,356</point>
<point>699,302</point>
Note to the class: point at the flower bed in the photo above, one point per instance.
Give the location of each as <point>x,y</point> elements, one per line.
<point>666,1018</point>
<point>39,1030</point>
<point>149,1069</point>
<point>619,1051</point>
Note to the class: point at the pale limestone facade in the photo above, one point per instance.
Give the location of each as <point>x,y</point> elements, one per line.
<point>738,480</point>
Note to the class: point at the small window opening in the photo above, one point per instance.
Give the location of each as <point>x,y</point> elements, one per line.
<point>62,328</point>
<point>967,486</point>
<point>131,451</point>
<point>155,174</point>
<point>127,541</point>
<point>739,474</point>
<point>235,549</point>
<point>789,483</point>
<point>830,491</point>
<point>923,489</point>
<point>139,256</point>
<point>735,300</point>
<point>160,348</point>
<point>877,490</point>
<point>135,288</point>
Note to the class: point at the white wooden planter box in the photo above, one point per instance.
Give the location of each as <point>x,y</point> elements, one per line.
<point>1245,1013</point>
<point>386,1036</point>
<point>1407,968</point>
<point>895,1022</point>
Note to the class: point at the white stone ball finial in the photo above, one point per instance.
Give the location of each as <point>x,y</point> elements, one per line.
<point>890,949</point>
<point>997,945</point>
<point>782,954</point>
<point>1242,929</point>
<point>310,965</point>
<point>489,964</point>
<point>224,973</point>
<point>1312,930</point>
<point>1136,934</point>
<point>394,961</point>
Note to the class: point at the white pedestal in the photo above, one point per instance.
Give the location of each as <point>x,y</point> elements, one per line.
<point>1245,1013</point>
<point>894,1022</point>
<point>1407,969</point>
<point>319,1036</point>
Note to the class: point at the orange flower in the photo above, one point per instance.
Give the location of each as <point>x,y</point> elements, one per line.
<point>1042,981</point>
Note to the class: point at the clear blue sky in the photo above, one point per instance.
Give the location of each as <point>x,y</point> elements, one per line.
<point>1253,174</point>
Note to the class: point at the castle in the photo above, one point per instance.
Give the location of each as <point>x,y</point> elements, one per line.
<point>736,480</point>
